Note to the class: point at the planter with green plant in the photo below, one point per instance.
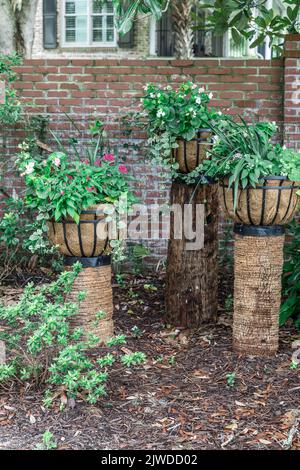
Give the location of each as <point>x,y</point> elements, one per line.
<point>77,196</point>
<point>177,125</point>
<point>80,200</point>
<point>259,180</point>
<point>259,188</point>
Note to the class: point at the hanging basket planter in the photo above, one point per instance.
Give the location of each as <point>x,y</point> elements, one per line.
<point>190,153</point>
<point>82,239</point>
<point>273,202</point>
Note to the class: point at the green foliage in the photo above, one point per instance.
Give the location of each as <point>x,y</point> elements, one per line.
<point>11,110</point>
<point>21,237</point>
<point>133,359</point>
<point>44,350</point>
<point>171,114</point>
<point>290,307</point>
<point>126,11</point>
<point>58,187</point>
<point>48,442</point>
<point>231,378</point>
<point>254,21</point>
<point>243,153</point>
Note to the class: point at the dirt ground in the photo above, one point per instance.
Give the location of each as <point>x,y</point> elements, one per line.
<point>181,399</point>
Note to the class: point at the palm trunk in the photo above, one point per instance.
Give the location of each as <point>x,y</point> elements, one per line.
<point>182,24</point>
<point>192,275</point>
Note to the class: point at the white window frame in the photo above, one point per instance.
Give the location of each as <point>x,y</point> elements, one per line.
<point>89,43</point>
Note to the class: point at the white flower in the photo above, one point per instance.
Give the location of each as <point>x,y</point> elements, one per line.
<point>168,87</point>
<point>160,113</point>
<point>158,95</point>
<point>219,113</point>
<point>56,161</point>
<point>194,86</point>
<point>28,169</point>
<point>210,95</point>
<point>201,90</point>
<point>198,100</point>
<point>152,95</point>
<point>284,147</point>
<point>146,87</point>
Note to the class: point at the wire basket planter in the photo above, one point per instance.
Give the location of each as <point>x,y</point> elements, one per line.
<point>81,240</point>
<point>273,202</point>
<point>190,153</point>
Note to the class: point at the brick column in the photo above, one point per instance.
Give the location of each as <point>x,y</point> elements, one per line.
<point>291,111</point>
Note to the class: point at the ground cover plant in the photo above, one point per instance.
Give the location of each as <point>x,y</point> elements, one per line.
<point>43,350</point>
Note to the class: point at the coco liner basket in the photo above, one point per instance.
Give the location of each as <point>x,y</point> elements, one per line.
<point>273,202</point>
<point>191,153</point>
<point>82,239</point>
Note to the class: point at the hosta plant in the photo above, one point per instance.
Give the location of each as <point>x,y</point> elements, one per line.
<point>45,352</point>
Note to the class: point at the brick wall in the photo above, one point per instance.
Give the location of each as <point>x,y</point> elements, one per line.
<point>87,87</point>
<point>292,91</point>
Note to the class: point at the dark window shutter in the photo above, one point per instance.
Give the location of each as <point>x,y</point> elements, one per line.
<point>49,24</point>
<point>127,40</point>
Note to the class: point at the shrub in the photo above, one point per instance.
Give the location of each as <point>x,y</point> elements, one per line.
<point>290,307</point>
<point>44,351</point>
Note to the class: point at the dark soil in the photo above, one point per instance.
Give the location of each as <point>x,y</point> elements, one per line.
<point>182,398</point>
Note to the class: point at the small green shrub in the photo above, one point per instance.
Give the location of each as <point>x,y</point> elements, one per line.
<point>290,307</point>
<point>44,351</point>
<point>48,442</point>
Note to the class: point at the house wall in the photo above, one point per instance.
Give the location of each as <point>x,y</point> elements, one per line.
<point>85,88</point>
<point>140,49</point>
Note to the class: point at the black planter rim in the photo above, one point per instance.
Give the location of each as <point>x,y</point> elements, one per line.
<point>281,179</point>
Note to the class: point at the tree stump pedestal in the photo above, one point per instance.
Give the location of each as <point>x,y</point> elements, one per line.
<point>192,275</point>
<point>258,263</point>
<point>95,280</point>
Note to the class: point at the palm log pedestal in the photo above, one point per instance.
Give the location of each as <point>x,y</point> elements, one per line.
<point>95,281</point>
<point>192,275</point>
<point>258,263</point>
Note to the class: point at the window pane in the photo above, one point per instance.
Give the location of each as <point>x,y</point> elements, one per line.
<point>81,29</point>
<point>110,21</point>
<point>109,7</point>
<point>77,6</point>
<point>110,35</point>
<point>97,6</point>
<point>70,35</point>
<point>70,22</point>
<point>70,8</point>
<point>97,22</point>
<point>97,35</point>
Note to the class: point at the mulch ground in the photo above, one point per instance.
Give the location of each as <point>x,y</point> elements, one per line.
<point>182,398</point>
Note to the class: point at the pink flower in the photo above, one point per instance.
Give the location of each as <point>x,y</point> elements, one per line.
<point>56,161</point>
<point>109,157</point>
<point>86,161</point>
<point>70,177</point>
<point>62,193</point>
<point>88,178</point>
<point>90,189</point>
<point>98,162</point>
<point>123,169</point>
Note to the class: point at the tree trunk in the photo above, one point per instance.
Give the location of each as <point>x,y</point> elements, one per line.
<point>192,275</point>
<point>258,262</point>
<point>182,24</point>
<point>17,23</point>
